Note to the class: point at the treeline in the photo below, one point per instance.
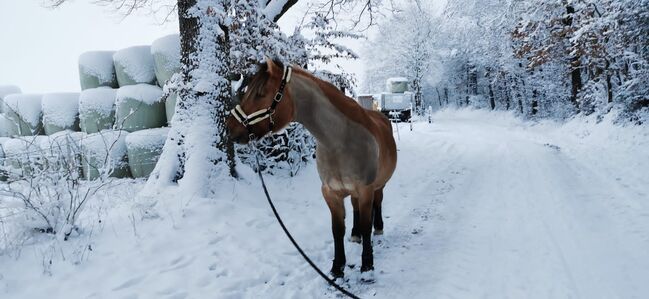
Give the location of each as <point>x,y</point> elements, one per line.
<point>542,58</point>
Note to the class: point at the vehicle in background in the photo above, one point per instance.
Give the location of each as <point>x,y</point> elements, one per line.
<point>396,103</point>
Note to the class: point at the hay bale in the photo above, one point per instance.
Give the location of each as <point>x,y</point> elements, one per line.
<point>166,56</point>
<point>96,69</point>
<point>144,149</point>
<point>6,90</point>
<point>105,152</point>
<point>60,112</point>
<point>97,109</point>
<point>140,107</point>
<point>22,153</point>
<point>8,128</point>
<point>25,111</point>
<point>170,106</point>
<point>397,85</point>
<point>134,65</point>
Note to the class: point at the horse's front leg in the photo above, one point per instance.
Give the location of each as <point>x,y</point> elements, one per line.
<point>337,207</point>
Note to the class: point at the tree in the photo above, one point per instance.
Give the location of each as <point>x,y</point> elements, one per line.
<point>403,47</point>
<point>221,41</point>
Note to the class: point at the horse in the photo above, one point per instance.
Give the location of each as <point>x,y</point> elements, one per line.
<point>355,150</point>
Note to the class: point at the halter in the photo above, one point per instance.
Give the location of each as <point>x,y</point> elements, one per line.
<point>259,115</point>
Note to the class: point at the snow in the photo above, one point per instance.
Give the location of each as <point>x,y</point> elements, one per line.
<point>147,139</point>
<point>481,205</point>
<point>60,109</point>
<point>27,106</point>
<point>137,62</point>
<point>148,94</point>
<point>98,64</point>
<point>100,100</point>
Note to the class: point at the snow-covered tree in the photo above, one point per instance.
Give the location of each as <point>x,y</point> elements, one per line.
<point>403,47</point>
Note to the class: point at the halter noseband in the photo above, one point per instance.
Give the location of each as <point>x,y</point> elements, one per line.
<point>259,115</point>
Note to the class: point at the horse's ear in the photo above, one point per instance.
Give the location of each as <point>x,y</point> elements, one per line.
<point>272,67</point>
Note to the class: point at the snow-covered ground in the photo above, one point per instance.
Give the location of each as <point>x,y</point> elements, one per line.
<point>481,205</point>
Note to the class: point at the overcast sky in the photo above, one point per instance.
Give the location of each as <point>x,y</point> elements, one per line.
<point>39,47</point>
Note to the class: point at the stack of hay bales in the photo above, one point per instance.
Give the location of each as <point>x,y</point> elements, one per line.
<point>120,94</point>
<point>24,113</point>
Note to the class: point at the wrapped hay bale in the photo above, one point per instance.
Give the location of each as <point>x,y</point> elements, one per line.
<point>166,57</point>
<point>6,90</point>
<point>397,85</point>
<point>170,106</point>
<point>105,153</point>
<point>134,65</point>
<point>144,148</point>
<point>140,107</point>
<point>24,110</point>
<point>97,109</point>
<point>60,112</point>
<point>96,69</point>
<point>7,127</point>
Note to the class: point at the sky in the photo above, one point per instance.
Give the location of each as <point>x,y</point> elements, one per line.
<point>40,47</point>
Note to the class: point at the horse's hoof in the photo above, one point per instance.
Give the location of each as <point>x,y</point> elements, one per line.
<point>355,239</point>
<point>336,274</point>
<point>378,232</point>
<point>368,277</point>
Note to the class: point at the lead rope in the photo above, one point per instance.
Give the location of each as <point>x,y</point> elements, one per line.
<point>290,237</point>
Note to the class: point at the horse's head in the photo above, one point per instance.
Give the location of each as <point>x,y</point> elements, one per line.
<point>266,105</point>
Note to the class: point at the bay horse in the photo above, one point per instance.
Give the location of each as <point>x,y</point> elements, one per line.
<point>355,151</point>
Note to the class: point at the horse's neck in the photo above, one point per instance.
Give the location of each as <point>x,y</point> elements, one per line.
<point>314,110</point>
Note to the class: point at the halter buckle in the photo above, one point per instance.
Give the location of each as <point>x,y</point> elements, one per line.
<point>278,97</point>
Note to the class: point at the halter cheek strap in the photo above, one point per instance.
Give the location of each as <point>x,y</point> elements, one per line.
<point>259,115</point>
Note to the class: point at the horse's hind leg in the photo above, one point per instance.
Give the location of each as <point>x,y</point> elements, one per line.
<point>356,231</point>
<point>378,218</point>
<point>365,204</point>
<point>337,209</point>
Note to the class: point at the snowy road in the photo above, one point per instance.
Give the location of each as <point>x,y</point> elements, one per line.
<point>500,214</point>
<point>481,206</point>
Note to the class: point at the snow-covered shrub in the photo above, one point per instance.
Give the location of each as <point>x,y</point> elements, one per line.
<point>24,110</point>
<point>144,148</point>
<point>140,107</point>
<point>134,65</point>
<point>284,152</point>
<point>44,192</point>
<point>96,69</point>
<point>166,55</point>
<point>6,90</point>
<point>104,154</point>
<point>97,109</point>
<point>60,112</point>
